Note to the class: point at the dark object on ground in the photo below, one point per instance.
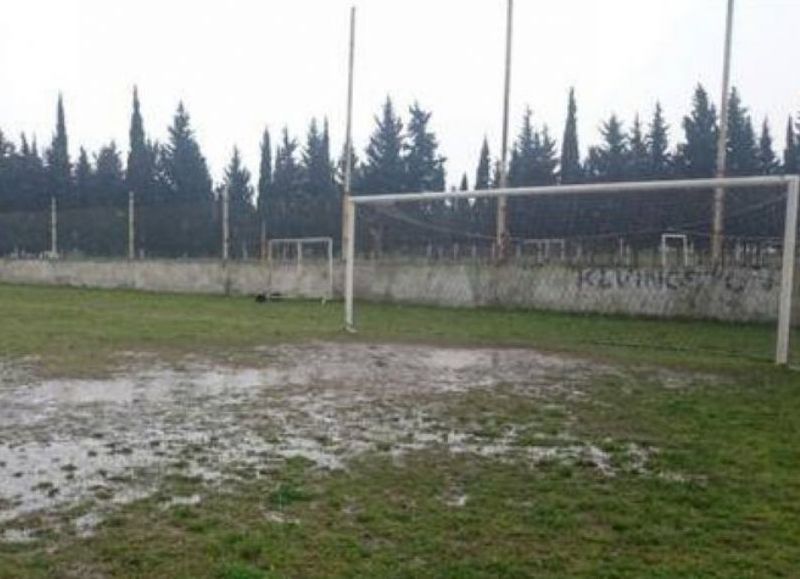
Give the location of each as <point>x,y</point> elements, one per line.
<point>268,297</point>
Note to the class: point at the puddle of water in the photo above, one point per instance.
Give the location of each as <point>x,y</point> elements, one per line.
<point>113,441</point>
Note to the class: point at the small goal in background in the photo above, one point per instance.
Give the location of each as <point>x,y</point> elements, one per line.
<point>300,267</point>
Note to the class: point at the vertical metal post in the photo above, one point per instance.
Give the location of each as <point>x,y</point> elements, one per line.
<point>718,227</point>
<point>348,145</point>
<point>225,227</point>
<point>131,227</point>
<point>330,269</point>
<point>53,228</point>
<point>349,252</point>
<point>501,240</point>
<point>787,273</point>
<point>263,238</point>
<point>299,250</point>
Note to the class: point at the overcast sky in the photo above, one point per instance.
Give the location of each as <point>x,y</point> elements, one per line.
<point>240,65</point>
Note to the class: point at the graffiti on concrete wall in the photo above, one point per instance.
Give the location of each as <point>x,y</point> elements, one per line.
<point>733,280</point>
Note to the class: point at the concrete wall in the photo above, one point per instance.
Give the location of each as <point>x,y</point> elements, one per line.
<point>731,294</point>
<point>180,276</point>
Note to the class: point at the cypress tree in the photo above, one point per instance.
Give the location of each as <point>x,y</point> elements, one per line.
<point>139,176</point>
<point>767,159</point>
<point>697,155</point>
<point>264,173</point>
<point>657,142</point>
<point>791,159</point>
<point>570,156</point>
<point>482,176</point>
<point>58,164</point>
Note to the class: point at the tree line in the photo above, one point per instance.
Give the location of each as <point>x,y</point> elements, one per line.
<point>297,191</point>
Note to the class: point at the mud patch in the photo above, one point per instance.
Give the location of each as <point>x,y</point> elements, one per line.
<point>67,443</point>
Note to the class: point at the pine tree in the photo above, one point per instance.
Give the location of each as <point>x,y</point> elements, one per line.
<point>608,162</point>
<point>767,159</point>
<point>384,168</point>
<point>108,179</point>
<point>287,177</point>
<point>424,165</point>
<point>657,141</point>
<point>697,155</point>
<point>742,154</point>
<point>570,171</point>
<point>185,168</point>
<point>58,164</point>
<point>638,155</point>
<point>7,183</point>
<point>317,162</point>
<point>32,180</point>
<point>83,177</point>
<point>190,225</point>
<point>791,156</point>
<point>236,182</point>
<point>139,176</point>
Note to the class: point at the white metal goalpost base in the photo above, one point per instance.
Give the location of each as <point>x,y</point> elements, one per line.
<point>791,183</point>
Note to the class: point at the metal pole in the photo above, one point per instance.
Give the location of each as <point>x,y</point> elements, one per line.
<point>263,238</point>
<point>131,229</point>
<point>718,227</point>
<point>787,273</point>
<point>53,228</point>
<point>299,250</point>
<point>225,226</point>
<point>349,252</point>
<point>501,240</point>
<point>330,269</point>
<point>348,146</point>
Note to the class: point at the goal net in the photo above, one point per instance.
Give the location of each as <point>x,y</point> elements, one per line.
<point>624,248</point>
<point>300,267</point>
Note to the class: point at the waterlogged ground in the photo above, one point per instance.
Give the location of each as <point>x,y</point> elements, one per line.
<point>88,446</point>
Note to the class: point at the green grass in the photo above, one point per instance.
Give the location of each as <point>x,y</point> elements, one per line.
<point>733,440</point>
<point>79,330</point>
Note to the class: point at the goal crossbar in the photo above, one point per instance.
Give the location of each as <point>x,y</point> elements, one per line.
<point>790,183</point>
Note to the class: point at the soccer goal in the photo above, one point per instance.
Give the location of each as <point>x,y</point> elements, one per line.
<point>300,267</point>
<point>592,222</point>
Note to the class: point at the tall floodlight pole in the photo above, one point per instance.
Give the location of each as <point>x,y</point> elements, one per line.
<point>718,227</point>
<point>348,145</point>
<point>501,241</point>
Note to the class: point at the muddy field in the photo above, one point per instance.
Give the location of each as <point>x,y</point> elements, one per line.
<point>84,446</point>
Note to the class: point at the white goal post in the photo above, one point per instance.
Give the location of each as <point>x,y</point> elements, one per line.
<point>790,183</point>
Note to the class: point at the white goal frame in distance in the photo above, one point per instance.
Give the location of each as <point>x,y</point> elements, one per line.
<point>298,243</point>
<point>791,183</point>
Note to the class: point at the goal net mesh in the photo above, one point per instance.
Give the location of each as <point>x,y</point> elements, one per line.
<point>631,253</point>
